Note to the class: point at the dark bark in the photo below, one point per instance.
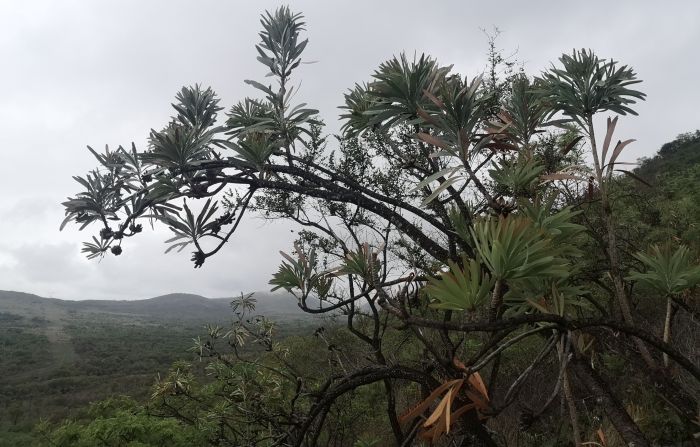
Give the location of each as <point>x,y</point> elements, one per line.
<point>562,323</point>
<point>362,377</point>
<point>391,412</point>
<point>423,240</point>
<point>606,400</point>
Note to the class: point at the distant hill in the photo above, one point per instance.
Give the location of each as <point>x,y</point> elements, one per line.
<point>180,307</point>
<point>669,208</point>
<point>58,355</point>
<point>674,157</point>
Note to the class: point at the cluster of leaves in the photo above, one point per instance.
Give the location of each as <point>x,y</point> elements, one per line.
<point>669,272</point>
<point>119,421</point>
<point>430,192</point>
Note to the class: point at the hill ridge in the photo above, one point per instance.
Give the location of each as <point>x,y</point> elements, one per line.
<point>172,306</point>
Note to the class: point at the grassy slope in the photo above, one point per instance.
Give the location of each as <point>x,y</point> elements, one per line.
<point>670,208</point>
<point>56,356</point>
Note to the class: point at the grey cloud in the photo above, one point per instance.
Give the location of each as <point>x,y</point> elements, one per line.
<point>143,270</point>
<point>78,72</point>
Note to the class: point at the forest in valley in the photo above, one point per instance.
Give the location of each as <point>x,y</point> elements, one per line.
<point>58,357</point>
<point>476,264</point>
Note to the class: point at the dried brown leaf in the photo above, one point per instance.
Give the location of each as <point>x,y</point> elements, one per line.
<point>458,363</point>
<point>608,137</point>
<point>426,116</point>
<point>434,99</point>
<point>618,149</point>
<point>439,410</point>
<point>477,383</point>
<point>601,436</point>
<point>425,403</point>
<point>571,145</point>
<point>430,139</point>
<point>504,116</point>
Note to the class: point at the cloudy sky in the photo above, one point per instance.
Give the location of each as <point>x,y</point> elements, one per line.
<point>77,73</point>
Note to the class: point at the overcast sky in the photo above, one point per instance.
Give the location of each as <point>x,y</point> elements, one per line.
<point>77,73</point>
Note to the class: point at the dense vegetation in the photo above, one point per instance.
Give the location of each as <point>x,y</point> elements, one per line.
<point>493,289</point>
<point>58,356</point>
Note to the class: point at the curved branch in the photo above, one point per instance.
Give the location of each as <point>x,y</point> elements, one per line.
<point>621,420</point>
<point>334,176</point>
<point>492,326</point>
<point>426,242</point>
<point>362,377</point>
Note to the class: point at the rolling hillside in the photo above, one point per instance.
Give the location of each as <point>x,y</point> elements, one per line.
<point>172,307</point>
<point>58,355</point>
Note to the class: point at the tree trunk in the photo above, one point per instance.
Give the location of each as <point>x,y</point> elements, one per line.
<point>573,414</point>
<point>667,325</point>
<point>496,300</point>
<point>616,413</point>
<point>615,273</point>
